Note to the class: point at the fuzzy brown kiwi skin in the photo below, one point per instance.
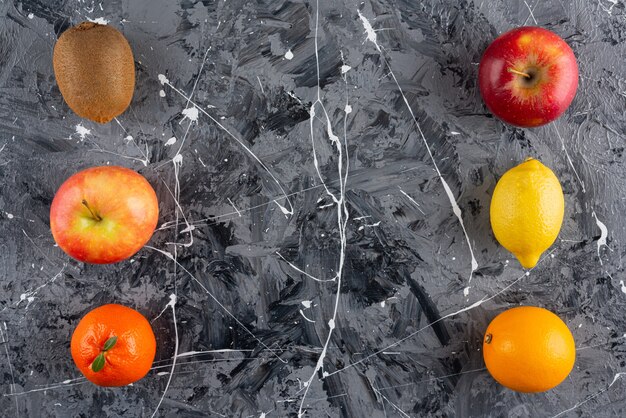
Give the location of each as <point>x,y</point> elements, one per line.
<point>95,70</point>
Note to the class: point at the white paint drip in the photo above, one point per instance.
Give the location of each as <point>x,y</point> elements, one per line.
<point>304,316</point>
<point>343,215</point>
<point>170,141</point>
<point>5,341</point>
<point>296,268</point>
<point>371,36</point>
<point>306,303</point>
<point>604,233</point>
<point>81,131</point>
<point>595,395</point>
<point>170,304</point>
<point>189,228</point>
<point>29,296</point>
<point>345,69</point>
<point>623,287</point>
<point>65,383</point>
<point>466,291</point>
<point>99,20</point>
<point>569,159</point>
<point>222,350</point>
<point>234,207</point>
<point>289,55</point>
<point>129,137</point>
<point>412,200</point>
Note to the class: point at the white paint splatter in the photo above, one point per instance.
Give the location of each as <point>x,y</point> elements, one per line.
<point>99,20</point>
<point>345,69</point>
<point>306,303</point>
<point>604,233</point>
<point>161,93</point>
<point>621,283</point>
<point>9,215</point>
<point>191,113</point>
<point>178,159</point>
<point>466,291</point>
<point>31,16</point>
<point>289,54</point>
<point>369,30</point>
<point>170,141</point>
<point>162,79</point>
<point>82,131</point>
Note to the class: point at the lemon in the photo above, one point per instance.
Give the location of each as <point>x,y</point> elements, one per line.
<point>527,210</point>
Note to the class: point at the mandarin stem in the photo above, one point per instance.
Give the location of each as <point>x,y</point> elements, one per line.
<point>93,214</point>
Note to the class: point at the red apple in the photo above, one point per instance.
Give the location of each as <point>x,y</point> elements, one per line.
<point>528,76</point>
<point>104,214</point>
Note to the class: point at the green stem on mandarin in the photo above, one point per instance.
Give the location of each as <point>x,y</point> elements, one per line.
<point>93,214</point>
<point>99,362</point>
<point>511,70</point>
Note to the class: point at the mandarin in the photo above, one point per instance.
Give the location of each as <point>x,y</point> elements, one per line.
<point>113,345</point>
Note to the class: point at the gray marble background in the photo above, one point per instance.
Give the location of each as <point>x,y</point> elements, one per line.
<point>313,164</point>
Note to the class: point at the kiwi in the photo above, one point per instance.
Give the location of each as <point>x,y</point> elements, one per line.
<point>95,71</point>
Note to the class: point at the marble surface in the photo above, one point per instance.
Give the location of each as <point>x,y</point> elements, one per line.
<point>324,173</point>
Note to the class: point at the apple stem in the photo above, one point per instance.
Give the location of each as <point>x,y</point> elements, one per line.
<point>95,216</point>
<point>511,70</point>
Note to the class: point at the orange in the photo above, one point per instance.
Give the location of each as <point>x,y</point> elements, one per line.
<point>113,345</point>
<point>528,349</point>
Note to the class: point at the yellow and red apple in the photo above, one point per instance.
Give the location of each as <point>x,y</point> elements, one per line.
<point>528,76</point>
<point>104,214</point>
